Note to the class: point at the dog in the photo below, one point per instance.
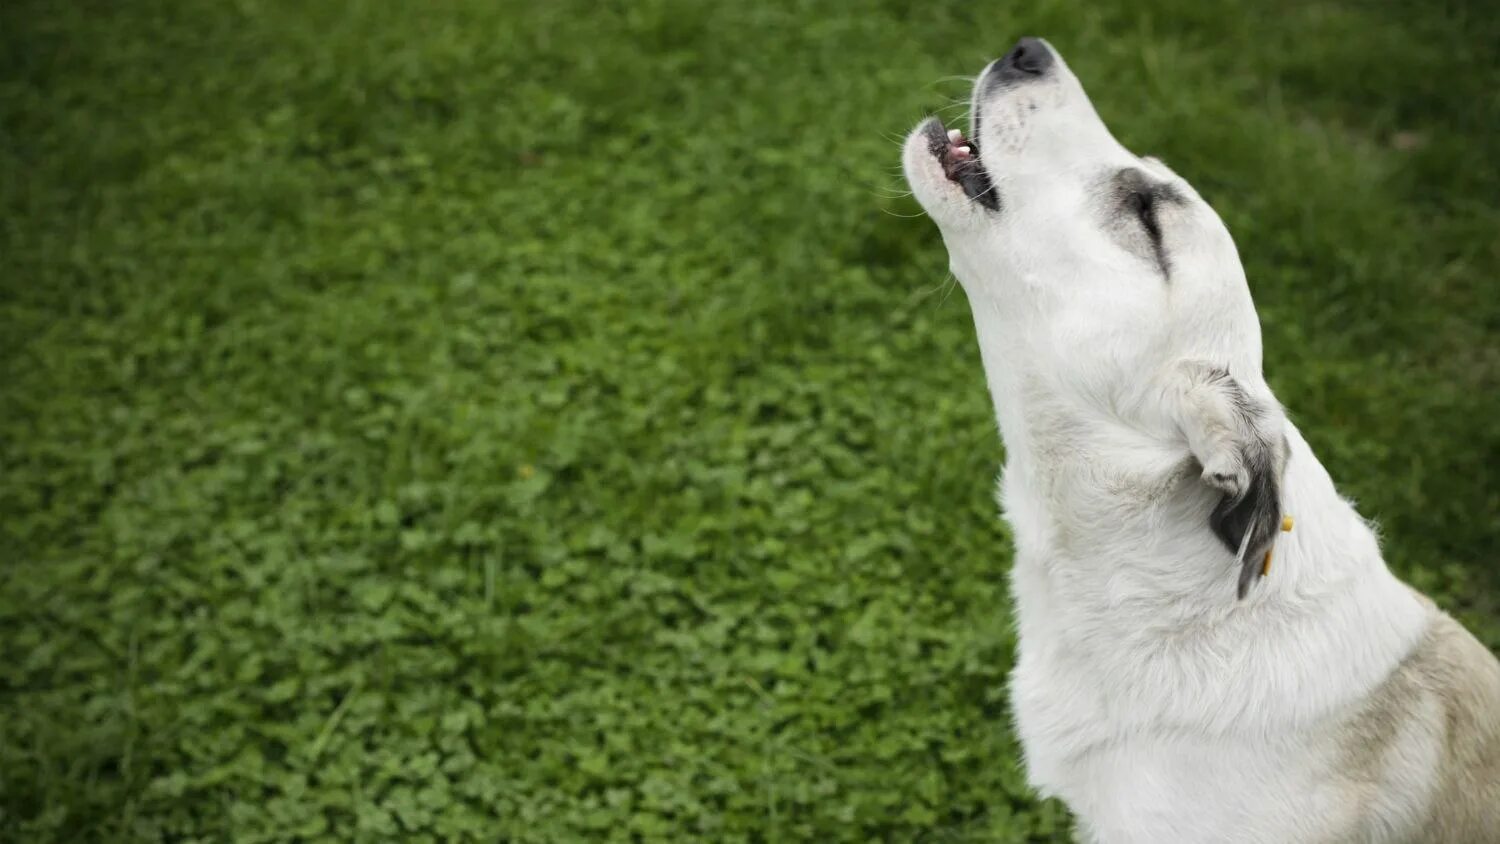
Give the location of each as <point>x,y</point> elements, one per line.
<point>1211,648</point>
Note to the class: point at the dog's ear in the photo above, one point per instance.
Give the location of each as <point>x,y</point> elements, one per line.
<point>1239,441</point>
<point>1248,518</point>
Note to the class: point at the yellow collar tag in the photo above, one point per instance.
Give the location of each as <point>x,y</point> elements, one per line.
<point>1286,527</point>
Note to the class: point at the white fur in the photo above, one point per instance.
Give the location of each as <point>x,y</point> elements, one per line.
<point>1156,704</point>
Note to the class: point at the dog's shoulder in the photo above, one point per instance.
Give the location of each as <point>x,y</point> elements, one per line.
<point>1464,677</point>
<point>1441,706</point>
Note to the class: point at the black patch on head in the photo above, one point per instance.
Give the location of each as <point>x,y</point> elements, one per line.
<point>1137,195</point>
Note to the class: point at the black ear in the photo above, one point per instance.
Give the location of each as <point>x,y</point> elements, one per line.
<point>1239,440</point>
<point>1247,523</point>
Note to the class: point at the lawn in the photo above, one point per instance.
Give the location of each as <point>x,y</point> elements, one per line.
<point>550,421</point>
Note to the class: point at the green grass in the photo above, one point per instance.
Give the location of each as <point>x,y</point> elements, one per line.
<point>546,421</point>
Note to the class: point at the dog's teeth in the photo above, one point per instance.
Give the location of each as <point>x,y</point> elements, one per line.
<point>961,152</point>
<point>955,136</point>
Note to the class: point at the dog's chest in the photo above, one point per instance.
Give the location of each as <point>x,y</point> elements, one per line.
<point>1184,790</point>
<point>1137,735</point>
<point>1156,784</point>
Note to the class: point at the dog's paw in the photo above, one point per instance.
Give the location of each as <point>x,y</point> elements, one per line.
<point>1227,472</point>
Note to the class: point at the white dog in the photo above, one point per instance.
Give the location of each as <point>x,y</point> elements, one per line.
<point>1211,647</point>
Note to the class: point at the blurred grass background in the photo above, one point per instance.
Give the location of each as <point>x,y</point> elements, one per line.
<point>547,422</point>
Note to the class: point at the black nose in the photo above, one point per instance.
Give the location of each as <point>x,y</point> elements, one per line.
<point>1030,58</point>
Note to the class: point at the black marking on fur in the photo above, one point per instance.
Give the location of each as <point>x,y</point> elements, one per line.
<point>1136,193</point>
<point>1143,203</point>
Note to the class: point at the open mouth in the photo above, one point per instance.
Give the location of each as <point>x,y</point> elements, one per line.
<point>960,159</point>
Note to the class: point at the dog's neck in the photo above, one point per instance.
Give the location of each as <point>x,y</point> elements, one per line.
<point>1115,557</point>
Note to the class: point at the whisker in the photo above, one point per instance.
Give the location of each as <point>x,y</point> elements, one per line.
<point>969,79</point>
<point>986,190</point>
<point>952,283</point>
<point>928,292</point>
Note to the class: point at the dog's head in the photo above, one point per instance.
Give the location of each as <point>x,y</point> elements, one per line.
<point>1100,263</point>
<point>1096,277</point>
